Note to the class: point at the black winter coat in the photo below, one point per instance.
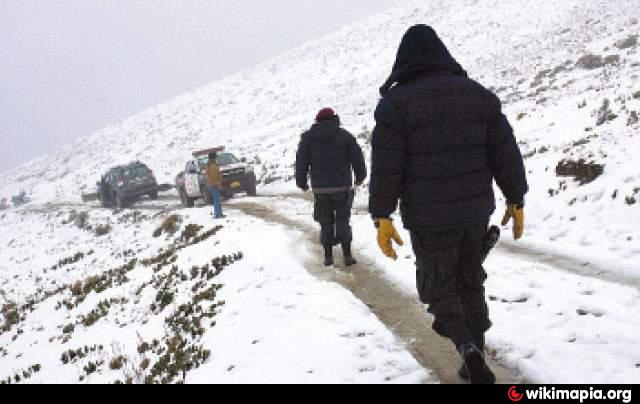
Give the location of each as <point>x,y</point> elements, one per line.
<point>330,154</point>
<point>440,141</point>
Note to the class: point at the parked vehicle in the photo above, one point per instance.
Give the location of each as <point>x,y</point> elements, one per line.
<point>4,204</point>
<point>123,184</point>
<point>238,177</point>
<point>20,199</point>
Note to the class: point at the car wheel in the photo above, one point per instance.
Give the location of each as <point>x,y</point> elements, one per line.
<point>103,201</point>
<point>120,202</point>
<point>186,201</point>
<point>252,190</point>
<point>206,196</point>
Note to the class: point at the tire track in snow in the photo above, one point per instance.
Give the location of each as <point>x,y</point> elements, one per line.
<point>402,314</point>
<point>566,264</point>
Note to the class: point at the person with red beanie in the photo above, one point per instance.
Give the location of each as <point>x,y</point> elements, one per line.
<point>330,155</point>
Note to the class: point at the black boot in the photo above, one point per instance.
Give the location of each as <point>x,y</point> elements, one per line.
<point>348,257</point>
<point>475,365</point>
<point>480,344</point>
<point>464,375</point>
<point>328,256</point>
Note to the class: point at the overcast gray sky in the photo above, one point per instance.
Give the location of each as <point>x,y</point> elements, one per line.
<point>69,67</point>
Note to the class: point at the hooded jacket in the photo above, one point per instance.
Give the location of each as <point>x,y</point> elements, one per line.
<point>440,141</point>
<point>330,155</point>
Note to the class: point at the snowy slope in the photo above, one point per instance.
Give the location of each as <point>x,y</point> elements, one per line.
<point>528,52</point>
<point>105,309</point>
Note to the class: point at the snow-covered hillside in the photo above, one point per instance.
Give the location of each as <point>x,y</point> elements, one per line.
<point>568,72</point>
<point>531,53</point>
<point>130,307</point>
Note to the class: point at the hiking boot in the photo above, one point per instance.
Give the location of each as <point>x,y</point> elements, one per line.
<point>464,375</point>
<point>348,257</point>
<point>476,368</point>
<point>328,256</point>
<point>480,344</point>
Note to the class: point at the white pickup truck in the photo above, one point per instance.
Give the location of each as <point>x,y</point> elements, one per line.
<point>238,176</point>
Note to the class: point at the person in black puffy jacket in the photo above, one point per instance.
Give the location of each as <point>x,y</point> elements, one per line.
<point>331,155</point>
<point>439,143</point>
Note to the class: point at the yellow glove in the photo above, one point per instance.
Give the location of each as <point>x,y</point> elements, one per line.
<point>386,233</point>
<point>517,214</point>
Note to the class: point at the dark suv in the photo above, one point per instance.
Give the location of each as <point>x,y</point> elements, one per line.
<point>123,184</point>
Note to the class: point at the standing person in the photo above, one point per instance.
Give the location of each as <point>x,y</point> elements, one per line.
<point>214,185</point>
<point>331,155</point>
<point>440,141</point>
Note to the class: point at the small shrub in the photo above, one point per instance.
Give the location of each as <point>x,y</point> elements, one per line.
<point>90,284</point>
<point>22,375</point>
<point>144,348</point>
<point>170,225</point>
<point>92,367</point>
<point>627,43</point>
<point>98,284</point>
<point>103,230</point>
<point>592,62</point>
<point>81,219</point>
<point>612,60</point>
<point>117,363</point>
<point>164,298</point>
<point>11,317</point>
<point>605,114</point>
<point>69,329</point>
<point>582,171</point>
<point>98,313</point>
<point>74,355</point>
<point>71,260</point>
<point>190,231</point>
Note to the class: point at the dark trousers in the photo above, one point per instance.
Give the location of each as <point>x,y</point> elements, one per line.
<point>450,279</point>
<point>333,213</point>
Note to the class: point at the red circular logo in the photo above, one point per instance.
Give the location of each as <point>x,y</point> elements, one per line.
<point>514,395</point>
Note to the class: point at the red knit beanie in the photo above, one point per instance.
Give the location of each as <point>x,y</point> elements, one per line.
<point>325,114</point>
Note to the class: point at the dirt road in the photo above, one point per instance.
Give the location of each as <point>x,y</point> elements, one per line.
<point>527,253</point>
<point>402,314</point>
